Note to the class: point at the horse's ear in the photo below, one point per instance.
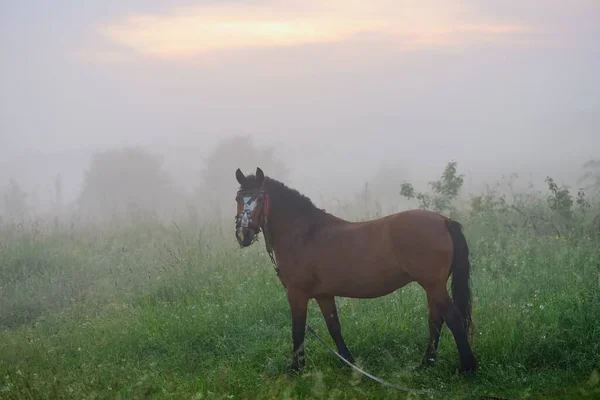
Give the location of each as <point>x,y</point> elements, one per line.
<point>241,178</point>
<point>260,176</point>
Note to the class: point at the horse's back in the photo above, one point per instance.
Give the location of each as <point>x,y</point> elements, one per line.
<point>419,223</point>
<point>372,258</point>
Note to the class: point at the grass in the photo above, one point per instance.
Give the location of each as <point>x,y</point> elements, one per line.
<point>148,311</point>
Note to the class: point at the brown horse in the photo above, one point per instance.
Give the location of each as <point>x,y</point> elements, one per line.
<point>321,256</point>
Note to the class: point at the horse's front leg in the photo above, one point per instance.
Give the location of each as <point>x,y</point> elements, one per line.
<point>298,302</point>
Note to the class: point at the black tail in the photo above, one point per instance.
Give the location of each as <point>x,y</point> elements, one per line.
<point>461,274</point>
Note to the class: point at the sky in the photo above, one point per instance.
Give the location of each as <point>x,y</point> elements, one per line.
<point>339,87</point>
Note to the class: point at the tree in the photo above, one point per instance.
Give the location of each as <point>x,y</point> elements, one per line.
<point>218,178</point>
<point>120,181</point>
<point>560,199</point>
<point>445,190</point>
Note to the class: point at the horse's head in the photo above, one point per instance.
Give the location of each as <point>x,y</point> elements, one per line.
<point>252,207</point>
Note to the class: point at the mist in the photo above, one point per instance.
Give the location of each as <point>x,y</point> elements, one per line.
<point>122,125</point>
<point>337,111</point>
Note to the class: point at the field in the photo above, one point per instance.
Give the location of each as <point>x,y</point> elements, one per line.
<point>148,310</point>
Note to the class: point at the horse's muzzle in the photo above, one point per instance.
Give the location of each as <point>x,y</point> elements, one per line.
<point>244,236</point>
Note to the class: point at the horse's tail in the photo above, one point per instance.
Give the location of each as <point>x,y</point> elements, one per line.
<point>461,274</point>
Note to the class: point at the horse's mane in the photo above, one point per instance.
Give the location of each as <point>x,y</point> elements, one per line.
<point>283,196</point>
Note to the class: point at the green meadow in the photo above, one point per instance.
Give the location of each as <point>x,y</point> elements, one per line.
<point>144,310</point>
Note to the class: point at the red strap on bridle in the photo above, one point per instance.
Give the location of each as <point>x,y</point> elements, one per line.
<point>267,205</point>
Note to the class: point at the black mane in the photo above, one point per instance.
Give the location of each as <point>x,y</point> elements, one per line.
<point>288,201</point>
<point>282,196</point>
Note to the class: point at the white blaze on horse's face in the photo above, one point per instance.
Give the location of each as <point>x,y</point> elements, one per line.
<point>248,219</point>
<point>247,210</point>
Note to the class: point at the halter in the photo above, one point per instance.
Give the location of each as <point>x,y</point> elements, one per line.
<point>263,224</point>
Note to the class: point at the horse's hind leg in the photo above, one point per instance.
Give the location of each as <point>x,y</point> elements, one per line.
<point>441,301</point>
<point>327,306</point>
<point>435,326</point>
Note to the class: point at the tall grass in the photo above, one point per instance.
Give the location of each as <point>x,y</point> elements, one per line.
<point>147,310</point>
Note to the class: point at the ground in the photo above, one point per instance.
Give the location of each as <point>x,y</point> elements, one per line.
<point>148,311</point>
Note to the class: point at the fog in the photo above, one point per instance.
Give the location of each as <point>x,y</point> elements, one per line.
<point>339,90</point>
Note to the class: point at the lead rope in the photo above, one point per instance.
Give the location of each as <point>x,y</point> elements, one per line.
<point>430,392</point>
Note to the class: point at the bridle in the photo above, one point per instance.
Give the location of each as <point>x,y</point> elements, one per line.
<point>262,197</point>
<point>263,223</point>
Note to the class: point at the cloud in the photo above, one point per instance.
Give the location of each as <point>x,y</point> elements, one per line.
<point>103,56</point>
<point>192,31</point>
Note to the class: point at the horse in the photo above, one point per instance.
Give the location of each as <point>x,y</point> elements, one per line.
<point>320,256</point>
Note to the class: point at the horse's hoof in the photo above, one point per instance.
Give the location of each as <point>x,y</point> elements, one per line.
<point>426,363</point>
<point>422,367</point>
<point>295,367</point>
<point>293,370</point>
<point>468,367</point>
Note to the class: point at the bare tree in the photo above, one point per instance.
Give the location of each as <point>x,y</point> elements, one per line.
<point>591,176</point>
<point>15,202</point>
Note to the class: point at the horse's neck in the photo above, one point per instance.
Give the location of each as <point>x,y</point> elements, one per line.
<point>280,226</point>
<point>287,228</point>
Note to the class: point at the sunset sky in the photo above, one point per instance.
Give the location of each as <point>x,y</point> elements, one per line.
<point>385,79</point>
<point>185,32</point>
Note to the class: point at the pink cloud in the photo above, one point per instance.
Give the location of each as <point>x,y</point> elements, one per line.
<point>189,32</point>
